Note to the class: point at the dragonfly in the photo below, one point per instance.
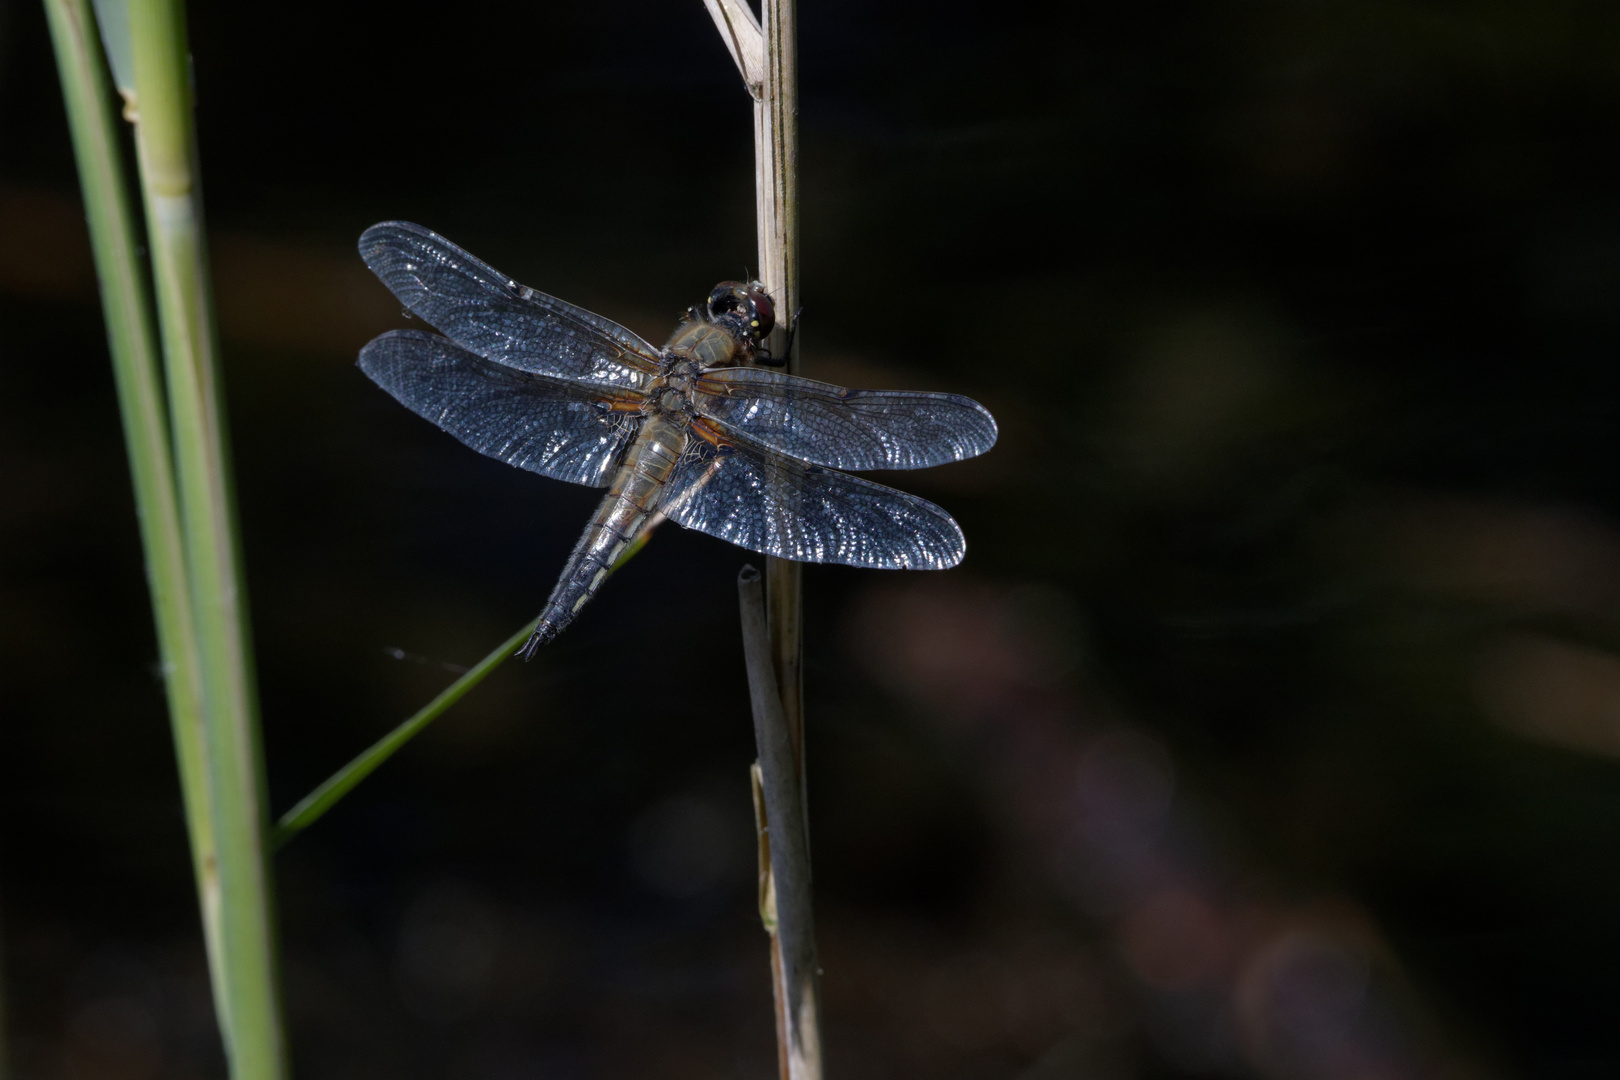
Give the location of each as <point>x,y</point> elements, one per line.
<point>702,432</point>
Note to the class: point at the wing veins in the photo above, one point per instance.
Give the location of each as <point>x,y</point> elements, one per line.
<point>565,430</point>
<point>491,315</point>
<point>840,428</point>
<point>732,487</point>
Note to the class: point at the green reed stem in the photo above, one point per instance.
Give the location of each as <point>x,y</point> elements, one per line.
<point>310,808</point>
<point>132,340</point>
<point>166,150</point>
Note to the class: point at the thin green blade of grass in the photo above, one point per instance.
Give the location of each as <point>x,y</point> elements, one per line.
<point>132,343</point>
<point>311,807</point>
<point>166,148</point>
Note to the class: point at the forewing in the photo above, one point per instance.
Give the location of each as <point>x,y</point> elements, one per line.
<point>557,429</point>
<point>731,487</point>
<point>846,429</point>
<point>486,312</point>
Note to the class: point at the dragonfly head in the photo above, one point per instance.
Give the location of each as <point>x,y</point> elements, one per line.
<point>743,307</point>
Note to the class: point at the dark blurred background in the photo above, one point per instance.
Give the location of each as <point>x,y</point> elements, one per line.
<point>1269,728</point>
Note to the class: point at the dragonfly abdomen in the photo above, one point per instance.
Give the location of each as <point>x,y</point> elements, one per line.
<point>620,518</point>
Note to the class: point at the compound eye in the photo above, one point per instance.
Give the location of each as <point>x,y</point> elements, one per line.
<point>728,296</point>
<point>762,314</point>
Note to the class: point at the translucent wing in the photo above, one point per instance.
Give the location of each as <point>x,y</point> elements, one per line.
<point>734,488</point>
<point>557,429</point>
<point>486,312</point>
<point>846,429</point>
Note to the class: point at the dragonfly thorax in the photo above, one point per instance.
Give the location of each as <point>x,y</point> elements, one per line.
<point>707,344</point>
<point>671,399</point>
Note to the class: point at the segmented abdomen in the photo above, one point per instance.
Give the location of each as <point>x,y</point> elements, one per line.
<point>620,518</point>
